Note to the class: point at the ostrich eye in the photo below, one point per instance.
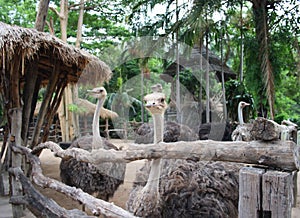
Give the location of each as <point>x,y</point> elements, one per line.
<point>162,100</point>
<point>100,90</point>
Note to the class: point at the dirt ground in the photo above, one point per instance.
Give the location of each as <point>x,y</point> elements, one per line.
<point>50,166</point>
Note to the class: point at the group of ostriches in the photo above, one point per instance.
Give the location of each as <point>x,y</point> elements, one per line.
<point>163,187</point>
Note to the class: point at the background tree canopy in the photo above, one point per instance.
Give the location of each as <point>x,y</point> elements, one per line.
<point>258,39</point>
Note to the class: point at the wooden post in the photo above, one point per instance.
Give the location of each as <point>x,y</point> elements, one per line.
<point>277,196</point>
<point>298,137</point>
<point>265,193</point>
<point>250,192</point>
<point>16,160</point>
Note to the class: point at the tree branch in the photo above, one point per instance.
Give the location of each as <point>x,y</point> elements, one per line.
<point>97,206</point>
<point>56,12</point>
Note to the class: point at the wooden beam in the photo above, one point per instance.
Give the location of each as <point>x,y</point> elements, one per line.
<point>47,98</point>
<point>277,154</point>
<point>28,92</point>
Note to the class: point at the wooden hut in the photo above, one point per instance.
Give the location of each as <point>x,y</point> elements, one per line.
<point>30,60</point>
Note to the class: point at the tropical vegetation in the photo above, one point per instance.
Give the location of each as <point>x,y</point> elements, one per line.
<point>258,39</point>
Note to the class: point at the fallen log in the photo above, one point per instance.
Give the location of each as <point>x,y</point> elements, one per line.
<point>268,130</point>
<point>37,203</point>
<point>282,155</point>
<point>95,205</point>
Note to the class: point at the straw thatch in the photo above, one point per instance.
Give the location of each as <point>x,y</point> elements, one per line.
<point>49,51</point>
<point>88,108</point>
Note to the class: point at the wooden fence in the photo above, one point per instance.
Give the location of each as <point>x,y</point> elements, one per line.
<point>267,185</point>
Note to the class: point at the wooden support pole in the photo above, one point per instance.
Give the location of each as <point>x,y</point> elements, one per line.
<point>16,160</point>
<point>43,110</point>
<point>250,192</point>
<point>29,88</point>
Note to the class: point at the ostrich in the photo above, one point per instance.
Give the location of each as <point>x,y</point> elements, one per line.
<point>182,188</point>
<point>243,130</point>
<point>262,128</point>
<point>172,131</point>
<point>101,180</point>
<point>146,200</point>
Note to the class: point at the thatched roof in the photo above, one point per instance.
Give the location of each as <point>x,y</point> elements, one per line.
<point>192,61</point>
<point>49,52</point>
<point>87,107</point>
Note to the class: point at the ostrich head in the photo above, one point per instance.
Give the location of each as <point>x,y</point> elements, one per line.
<point>99,92</point>
<point>242,104</point>
<point>156,103</point>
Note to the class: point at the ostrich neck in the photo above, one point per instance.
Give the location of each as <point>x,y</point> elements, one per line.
<point>97,140</point>
<point>240,115</point>
<point>158,124</point>
<point>153,180</point>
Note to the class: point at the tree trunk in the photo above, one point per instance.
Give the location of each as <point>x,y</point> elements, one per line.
<point>42,15</point>
<point>262,35</point>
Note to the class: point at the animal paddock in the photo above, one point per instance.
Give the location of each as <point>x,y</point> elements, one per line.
<point>125,187</point>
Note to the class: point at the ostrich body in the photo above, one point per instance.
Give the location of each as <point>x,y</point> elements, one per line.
<point>184,188</point>
<point>103,179</point>
<point>173,132</point>
<point>243,131</point>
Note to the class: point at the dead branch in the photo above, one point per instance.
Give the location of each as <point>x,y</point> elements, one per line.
<point>276,154</point>
<point>37,203</point>
<point>97,206</point>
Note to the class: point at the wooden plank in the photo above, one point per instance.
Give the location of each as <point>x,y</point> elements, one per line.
<point>277,190</point>
<point>250,192</point>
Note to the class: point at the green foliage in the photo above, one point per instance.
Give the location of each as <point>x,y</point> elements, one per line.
<point>288,99</point>
<point>18,12</point>
<point>235,93</point>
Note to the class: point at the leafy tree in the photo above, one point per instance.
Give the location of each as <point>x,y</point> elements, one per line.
<point>260,26</point>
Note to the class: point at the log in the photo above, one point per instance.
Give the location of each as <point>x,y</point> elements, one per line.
<point>37,203</point>
<point>97,206</point>
<point>276,154</point>
<point>268,130</point>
